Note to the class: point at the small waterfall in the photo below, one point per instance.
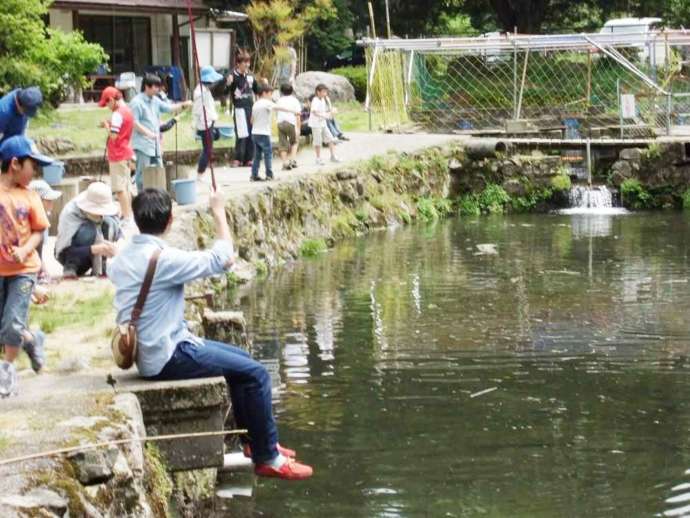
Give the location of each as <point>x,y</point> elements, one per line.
<point>583,197</point>
<point>597,199</point>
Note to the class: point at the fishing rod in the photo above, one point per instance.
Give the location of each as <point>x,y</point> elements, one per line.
<point>197,73</point>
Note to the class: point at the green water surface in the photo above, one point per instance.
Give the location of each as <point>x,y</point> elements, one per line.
<point>576,329</point>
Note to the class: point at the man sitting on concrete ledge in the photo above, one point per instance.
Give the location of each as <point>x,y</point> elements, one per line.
<point>87,231</point>
<point>167,350</point>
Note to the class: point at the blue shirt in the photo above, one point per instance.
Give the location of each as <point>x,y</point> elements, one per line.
<point>147,112</point>
<point>11,121</point>
<point>162,325</point>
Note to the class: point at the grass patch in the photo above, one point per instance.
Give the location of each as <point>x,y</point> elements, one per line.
<point>72,310</point>
<point>312,247</point>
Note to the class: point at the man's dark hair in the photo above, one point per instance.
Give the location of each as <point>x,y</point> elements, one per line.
<point>264,88</point>
<point>151,80</point>
<point>5,167</point>
<point>152,209</point>
<point>320,87</point>
<point>286,89</point>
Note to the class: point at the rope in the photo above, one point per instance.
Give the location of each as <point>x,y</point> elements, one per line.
<point>197,73</point>
<point>96,445</point>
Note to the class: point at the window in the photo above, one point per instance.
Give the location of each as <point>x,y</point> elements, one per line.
<point>126,39</point>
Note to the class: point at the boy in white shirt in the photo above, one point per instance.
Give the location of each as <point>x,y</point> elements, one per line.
<point>288,126</point>
<point>318,116</point>
<point>261,130</point>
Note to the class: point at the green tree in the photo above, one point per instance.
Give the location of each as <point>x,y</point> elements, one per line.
<point>278,22</point>
<point>30,54</point>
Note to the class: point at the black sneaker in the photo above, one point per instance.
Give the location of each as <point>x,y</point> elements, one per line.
<point>269,179</point>
<point>343,137</point>
<point>256,179</point>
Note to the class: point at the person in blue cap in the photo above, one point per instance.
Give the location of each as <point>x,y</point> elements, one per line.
<point>203,100</point>
<point>22,222</point>
<point>15,110</point>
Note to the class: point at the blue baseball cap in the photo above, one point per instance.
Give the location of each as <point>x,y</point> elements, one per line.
<point>30,99</point>
<point>209,75</point>
<point>20,147</point>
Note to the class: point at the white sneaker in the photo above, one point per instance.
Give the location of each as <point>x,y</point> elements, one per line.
<point>320,161</point>
<point>8,379</point>
<point>335,160</point>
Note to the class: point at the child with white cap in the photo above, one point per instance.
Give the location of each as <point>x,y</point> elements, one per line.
<point>48,196</point>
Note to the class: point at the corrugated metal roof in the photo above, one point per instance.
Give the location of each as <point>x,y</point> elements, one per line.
<point>156,6</point>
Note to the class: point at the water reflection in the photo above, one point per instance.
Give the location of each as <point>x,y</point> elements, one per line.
<point>579,323</point>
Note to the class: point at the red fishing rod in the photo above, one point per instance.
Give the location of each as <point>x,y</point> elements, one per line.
<point>197,73</point>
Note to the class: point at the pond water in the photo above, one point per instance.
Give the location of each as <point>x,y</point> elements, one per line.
<point>422,375</point>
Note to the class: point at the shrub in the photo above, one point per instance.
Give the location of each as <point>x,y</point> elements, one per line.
<point>634,195</point>
<point>426,209</point>
<point>312,247</point>
<point>468,205</point>
<point>357,77</point>
<point>686,199</point>
<point>561,182</point>
<point>493,198</point>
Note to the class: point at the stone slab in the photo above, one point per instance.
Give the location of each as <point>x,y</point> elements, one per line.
<point>176,407</point>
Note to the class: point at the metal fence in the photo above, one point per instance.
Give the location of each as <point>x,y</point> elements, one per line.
<point>579,85</point>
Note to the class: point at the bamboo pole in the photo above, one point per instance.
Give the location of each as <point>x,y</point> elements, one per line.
<point>96,445</point>
<point>522,83</point>
<point>371,18</point>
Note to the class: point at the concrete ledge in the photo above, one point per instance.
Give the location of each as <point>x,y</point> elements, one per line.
<point>188,406</point>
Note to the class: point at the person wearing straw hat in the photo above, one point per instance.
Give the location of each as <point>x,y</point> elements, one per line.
<point>87,231</point>
<point>203,100</point>
<point>15,110</point>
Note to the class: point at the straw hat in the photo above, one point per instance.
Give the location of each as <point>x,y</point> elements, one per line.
<point>98,199</point>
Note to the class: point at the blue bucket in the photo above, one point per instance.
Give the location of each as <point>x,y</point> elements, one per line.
<point>185,191</point>
<point>53,173</point>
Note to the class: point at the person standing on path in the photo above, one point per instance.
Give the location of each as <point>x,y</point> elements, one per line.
<point>242,86</point>
<point>119,150</point>
<point>22,223</point>
<point>167,350</point>
<point>203,100</point>
<point>15,110</point>
<point>146,141</point>
<point>261,130</point>
<point>288,126</point>
<point>319,113</point>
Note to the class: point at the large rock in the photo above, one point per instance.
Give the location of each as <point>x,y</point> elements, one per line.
<point>340,89</point>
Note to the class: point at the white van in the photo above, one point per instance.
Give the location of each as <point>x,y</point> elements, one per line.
<point>650,52</point>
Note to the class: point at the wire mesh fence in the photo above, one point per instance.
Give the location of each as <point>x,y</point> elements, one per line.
<point>623,86</point>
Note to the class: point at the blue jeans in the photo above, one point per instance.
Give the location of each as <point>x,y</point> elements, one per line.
<point>334,128</point>
<point>15,296</point>
<point>206,148</point>
<point>143,161</point>
<point>262,145</point>
<point>248,382</point>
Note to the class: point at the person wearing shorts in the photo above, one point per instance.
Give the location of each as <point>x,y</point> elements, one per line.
<point>318,115</point>
<point>288,126</point>
<point>119,150</point>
